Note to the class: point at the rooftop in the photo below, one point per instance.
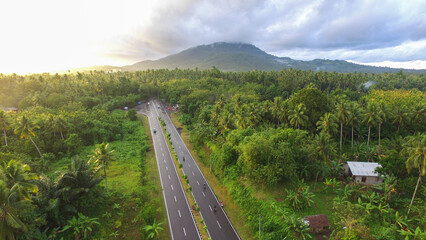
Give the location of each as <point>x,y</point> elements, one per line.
<point>364,168</point>
<point>317,221</point>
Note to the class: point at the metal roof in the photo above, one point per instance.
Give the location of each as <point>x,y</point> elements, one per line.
<point>363,168</point>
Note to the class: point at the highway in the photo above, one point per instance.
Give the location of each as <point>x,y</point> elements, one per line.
<point>181,222</point>
<point>218,224</point>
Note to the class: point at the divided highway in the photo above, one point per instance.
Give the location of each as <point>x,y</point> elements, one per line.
<point>218,224</point>
<point>181,222</point>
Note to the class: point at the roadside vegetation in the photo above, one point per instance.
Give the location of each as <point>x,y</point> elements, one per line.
<point>72,167</point>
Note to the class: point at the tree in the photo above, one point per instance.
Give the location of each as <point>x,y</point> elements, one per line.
<point>399,115</point>
<point>342,114</point>
<point>4,124</point>
<point>353,119</point>
<point>25,128</point>
<point>17,176</point>
<point>102,158</point>
<point>297,227</point>
<point>297,116</point>
<point>277,108</point>
<point>382,112</point>
<point>415,151</point>
<point>10,205</point>
<point>370,117</point>
<point>154,230</point>
<point>327,124</point>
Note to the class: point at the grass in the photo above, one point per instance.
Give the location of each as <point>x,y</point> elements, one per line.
<point>154,177</point>
<point>232,209</point>
<point>130,201</point>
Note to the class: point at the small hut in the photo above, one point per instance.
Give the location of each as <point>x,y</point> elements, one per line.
<point>317,223</point>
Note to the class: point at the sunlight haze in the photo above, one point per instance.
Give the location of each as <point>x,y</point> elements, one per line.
<point>49,35</point>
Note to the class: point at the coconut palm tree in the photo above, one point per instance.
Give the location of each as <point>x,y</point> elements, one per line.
<point>415,151</point>
<point>353,119</point>
<point>297,116</point>
<point>342,114</point>
<point>382,112</point>
<point>10,205</point>
<point>154,230</point>
<point>399,115</point>
<point>370,117</point>
<point>4,124</point>
<point>25,128</point>
<point>102,158</point>
<point>18,176</point>
<point>276,109</point>
<point>327,124</point>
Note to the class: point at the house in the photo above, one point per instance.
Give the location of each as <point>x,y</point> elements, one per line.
<point>363,172</point>
<point>10,109</point>
<point>317,223</point>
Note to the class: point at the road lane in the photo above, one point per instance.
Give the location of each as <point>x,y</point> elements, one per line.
<point>181,221</point>
<point>218,224</point>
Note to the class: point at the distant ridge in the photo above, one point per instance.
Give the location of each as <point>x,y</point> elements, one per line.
<point>245,57</point>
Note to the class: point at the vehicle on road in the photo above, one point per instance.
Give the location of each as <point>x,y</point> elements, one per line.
<point>155,130</point>
<point>158,106</point>
<point>169,108</point>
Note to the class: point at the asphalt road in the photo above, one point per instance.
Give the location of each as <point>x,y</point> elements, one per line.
<point>181,222</point>
<point>218,224</point>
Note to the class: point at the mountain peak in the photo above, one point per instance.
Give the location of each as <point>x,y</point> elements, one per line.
<point>240,56</point>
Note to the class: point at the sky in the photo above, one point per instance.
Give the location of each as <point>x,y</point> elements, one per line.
<point>52,35</point>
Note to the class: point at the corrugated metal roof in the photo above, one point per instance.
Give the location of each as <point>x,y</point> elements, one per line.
<point>363,168</point>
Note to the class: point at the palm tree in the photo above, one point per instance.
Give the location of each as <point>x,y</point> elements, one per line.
<point>17,176</point>
<point>342,113</point>
<point>102,158</point>
<point>353,118</point>
<point>4,123</point>
<point>253,115</point>
<point>417,113</point>
<point>25,128</point>
<point>10,205</point>
<point>399,115</point>
<point>382,118</point>
<point>370,117</point>
<point>59,125</point>
<point>154,230</point>
<point>276,108</point>
<point>415,149</point>
<point>327,124</point>
<point>297,116</point>
<point>322,147</point>
<point>241,117</point>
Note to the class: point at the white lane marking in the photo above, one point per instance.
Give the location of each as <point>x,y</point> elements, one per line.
<point>218,223</point>
<point>182,152</point>
<point>164,160</point>
<point>198,183</point>
<point>179,213</point>
<point>210,208</point>
<point>189,165</point>
<point>184,232</point>
<point>167,168</point>
<point>163,154</point>
<point>172,188</point>
<point>161,149</point>
<point>204,194</point>
<point>175,199</point>
<point>169,176</point>
<point>193,174</point>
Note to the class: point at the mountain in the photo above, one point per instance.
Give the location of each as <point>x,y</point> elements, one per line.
<point>245,57</point>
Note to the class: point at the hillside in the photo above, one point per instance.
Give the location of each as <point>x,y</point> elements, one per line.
<point>244,57</point>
